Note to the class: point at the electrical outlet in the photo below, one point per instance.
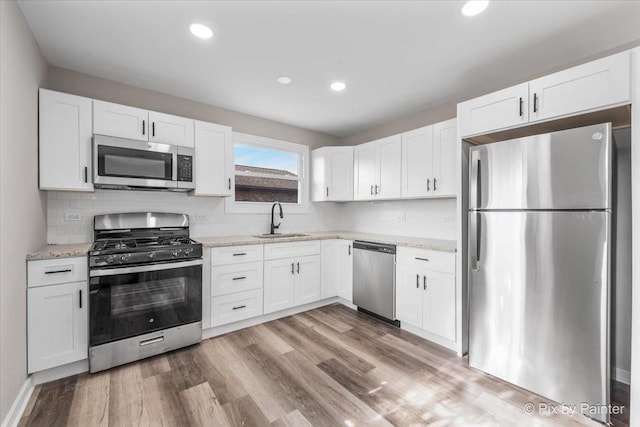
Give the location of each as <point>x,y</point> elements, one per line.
<point>448,219</point>
<point>72,217</point>
<point>201,217</point>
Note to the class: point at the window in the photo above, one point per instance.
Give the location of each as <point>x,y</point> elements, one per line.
<point>268,171</point>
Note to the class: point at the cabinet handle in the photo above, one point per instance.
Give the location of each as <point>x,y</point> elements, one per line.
<point>521,112</point>
<point>240,278</point>
<point>349,249</point>
<point>298,268</point>
<point>239,307</point>
<point>143,127</point>
<point>229,183</point>
<point>377,189</point>
<point>422,259</point>
<point>535,102</point>
<point>153,128</point>
<point>372,190</point>
<point>80,297</point>
<point>428,184</point>
<point>86,173</point>
<point>327,191</point>
<point>424,281</point>
<point>292,270</point>
<point>68,270</point>
<point>240,254</point>
<point>434,184</point>
<point>417,281</point>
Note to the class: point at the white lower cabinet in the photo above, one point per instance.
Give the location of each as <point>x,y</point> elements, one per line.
<point>337,269</point>
<point>425,294</point>
<point>57,319</point>
<point>289,282</point>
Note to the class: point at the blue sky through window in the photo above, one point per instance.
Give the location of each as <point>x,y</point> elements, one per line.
<point>248,155</point>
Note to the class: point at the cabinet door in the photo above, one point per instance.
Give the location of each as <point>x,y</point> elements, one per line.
<point>417,162</point>
<point>57,325</point>
<point>65,142</point>
<point>498,110</point>
<point>409,295</point>
<point>279,284</point>
<point>339,174</point>
<point>120,121</point>
<point>590,86</point>
<point>445,148</point>
<point>307,288</point>
<point>319,170</point>
<point>389,168</point>
<point>440,305</point>
<point>168,129</point>
<point>344,259</point>
<point>364,171</point>
<point>214,160</point>
<point>329,277</point>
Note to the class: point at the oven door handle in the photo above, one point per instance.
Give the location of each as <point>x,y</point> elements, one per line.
<point>143,268</point>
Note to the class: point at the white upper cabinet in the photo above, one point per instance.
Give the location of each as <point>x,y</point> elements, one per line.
<point>123,121</point>
<point>376,169</point>
<point>120,121</point>
<point>332,174</point>
<point>594,85</point>
<point>65,142</point>
<point>214,160</point>
<point>168,129</point>
<point>364,171</point>
<point>498,110</point>
<point>417,162</point>
<point>429,161</point>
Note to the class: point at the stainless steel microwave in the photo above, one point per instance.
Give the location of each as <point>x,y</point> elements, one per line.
<point>127,164</point>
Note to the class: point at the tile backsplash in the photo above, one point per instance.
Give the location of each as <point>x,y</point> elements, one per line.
<point>418,218</point>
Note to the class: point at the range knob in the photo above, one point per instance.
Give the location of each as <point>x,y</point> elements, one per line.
<point>151,255</point>
<point>110,259</point>
<point>187,251</point>
<point>123,258</point>
<point>176,253</point>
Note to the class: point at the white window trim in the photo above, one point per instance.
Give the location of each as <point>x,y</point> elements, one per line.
<point>304,169</point>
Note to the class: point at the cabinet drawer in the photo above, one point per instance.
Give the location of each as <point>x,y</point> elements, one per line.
<point>291,249</point>
<point>430,260</point>
<point>229,279</point>
<point>53,271</point>
<point>236,254</point>
<point>232,308</point>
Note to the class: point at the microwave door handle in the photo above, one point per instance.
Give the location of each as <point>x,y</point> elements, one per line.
<point>143,268</point>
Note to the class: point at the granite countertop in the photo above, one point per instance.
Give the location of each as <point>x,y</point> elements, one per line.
<point>69,250</point>
<point>80,249</point>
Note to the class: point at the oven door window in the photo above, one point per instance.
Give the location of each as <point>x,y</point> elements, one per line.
<point>132,163</point>
<point>126,305</point>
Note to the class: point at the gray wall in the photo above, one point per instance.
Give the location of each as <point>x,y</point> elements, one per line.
<point>22,205</point>
<point>76,83</point>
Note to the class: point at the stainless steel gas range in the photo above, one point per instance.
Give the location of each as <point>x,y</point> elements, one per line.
<point>145,287</point>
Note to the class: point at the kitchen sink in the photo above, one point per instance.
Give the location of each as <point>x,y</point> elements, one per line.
<point>279,236</point>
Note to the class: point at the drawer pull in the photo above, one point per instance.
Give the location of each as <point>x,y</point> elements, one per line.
<point>240,278</point>
<point>151,341</point>
<point>239,307</point>
<point>240,254</point>
<point>68,270</point>
<point>422,259</point>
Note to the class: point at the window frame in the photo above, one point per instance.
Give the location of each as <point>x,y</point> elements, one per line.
<point>304,166</point>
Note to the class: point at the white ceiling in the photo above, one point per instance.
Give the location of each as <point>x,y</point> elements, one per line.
<point>397,58</point>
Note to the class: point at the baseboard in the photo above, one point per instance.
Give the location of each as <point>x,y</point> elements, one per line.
<point>451,345</point>
<point>17,409</point>
<point>622,375</point>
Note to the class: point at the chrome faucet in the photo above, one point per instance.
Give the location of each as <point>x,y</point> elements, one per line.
<point>274,227</point>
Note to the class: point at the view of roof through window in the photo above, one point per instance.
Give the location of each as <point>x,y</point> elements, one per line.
<point>266,175</point>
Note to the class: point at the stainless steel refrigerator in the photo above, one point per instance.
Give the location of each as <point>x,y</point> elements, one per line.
<point>539,263</point>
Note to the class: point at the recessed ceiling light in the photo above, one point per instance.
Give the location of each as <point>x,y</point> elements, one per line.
<point>474,7</point>
<point>202,31</point>
<point>338,86</point>
<point>284,80</point>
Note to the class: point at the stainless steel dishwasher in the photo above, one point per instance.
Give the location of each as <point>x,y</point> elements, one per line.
<point>374,279</point>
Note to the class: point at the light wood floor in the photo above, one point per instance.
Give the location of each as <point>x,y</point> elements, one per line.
<point>327,367</point>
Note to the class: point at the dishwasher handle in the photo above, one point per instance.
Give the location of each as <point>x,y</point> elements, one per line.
<point>375,247</point>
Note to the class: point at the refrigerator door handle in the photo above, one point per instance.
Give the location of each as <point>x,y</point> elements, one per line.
<point>474,241</point>
<point>474,177</point>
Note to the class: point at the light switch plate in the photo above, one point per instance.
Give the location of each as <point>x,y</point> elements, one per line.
<point>72,217</point>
